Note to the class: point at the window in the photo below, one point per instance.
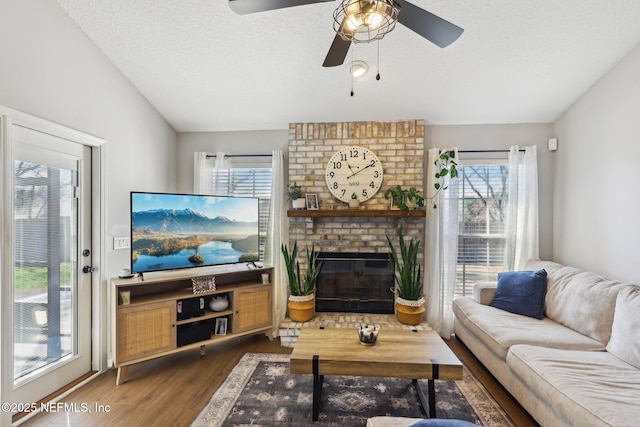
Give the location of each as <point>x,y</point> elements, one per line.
<point>481,230</point>
<point>250,180</point>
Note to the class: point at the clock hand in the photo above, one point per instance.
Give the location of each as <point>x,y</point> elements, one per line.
<point>349,166</point>
<point>368,166</point>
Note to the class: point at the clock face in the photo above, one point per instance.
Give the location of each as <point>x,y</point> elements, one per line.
<point>353,170</point>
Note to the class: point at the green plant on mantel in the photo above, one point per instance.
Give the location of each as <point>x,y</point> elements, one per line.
<point>294,191</point>
<point>409,199</point>
<point>405,199</point>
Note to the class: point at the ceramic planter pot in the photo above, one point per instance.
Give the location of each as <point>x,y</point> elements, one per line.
<point>409,312</point>
<point>299,203</point>
<point>302,308</point>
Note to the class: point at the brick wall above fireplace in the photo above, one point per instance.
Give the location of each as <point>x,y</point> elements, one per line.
<point>400,147</point>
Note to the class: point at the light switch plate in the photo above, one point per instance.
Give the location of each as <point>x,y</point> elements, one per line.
<point>553,144</point>
<point>121,243</point>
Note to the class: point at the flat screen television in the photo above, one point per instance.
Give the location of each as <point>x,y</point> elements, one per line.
<point>175,231</point>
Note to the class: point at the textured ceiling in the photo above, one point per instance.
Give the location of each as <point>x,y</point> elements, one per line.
<point>205,68</point>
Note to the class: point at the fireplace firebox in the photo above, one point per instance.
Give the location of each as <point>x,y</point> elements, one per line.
<point>354,283</point>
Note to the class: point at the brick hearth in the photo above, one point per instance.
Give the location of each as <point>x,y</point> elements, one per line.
<point>289,330</point>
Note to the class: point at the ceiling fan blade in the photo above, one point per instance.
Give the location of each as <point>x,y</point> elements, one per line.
<point>242,7</point>
<point>433,28</point>
<point>337,52</point>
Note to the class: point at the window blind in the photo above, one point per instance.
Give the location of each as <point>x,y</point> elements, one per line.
<point>253,180</point>
<point>482,207</point>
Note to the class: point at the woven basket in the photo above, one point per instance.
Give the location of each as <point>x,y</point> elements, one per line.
<point>302,308</point>
<point>409,312</point>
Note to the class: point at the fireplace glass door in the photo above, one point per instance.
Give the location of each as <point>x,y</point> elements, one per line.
<point>355,282</point>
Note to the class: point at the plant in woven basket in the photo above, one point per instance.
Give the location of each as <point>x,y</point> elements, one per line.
<point>407,270</point>
<point>409,302</point>
<point>300,285</point>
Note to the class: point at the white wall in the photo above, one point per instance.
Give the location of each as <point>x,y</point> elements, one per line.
<point>472,137</point>
<point>501,137</point>
<point>241,142</point>
<point>597,197</point>
<point>50,69</point>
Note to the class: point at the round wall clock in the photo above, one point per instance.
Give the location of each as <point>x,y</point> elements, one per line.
<point>353,170</point>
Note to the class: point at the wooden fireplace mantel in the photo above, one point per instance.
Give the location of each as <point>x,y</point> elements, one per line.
<point>353,213</point>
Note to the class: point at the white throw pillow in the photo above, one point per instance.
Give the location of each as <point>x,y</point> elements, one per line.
<point>625,336</point>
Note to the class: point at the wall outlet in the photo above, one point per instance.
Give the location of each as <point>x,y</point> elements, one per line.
<point>121,243</point>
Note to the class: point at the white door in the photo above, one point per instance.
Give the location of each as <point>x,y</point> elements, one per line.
<point>48,296</point>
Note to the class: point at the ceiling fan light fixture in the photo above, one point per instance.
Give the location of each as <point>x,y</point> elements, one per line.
<point>363,21</point>
<point>358,68</point>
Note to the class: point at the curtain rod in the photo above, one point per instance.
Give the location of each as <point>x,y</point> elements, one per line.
<point>241,155</point>
<point>488,151</point>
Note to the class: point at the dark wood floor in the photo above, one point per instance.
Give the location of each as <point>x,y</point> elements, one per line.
<point>171,391</point>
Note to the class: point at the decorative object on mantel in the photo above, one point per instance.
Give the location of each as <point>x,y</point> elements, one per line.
<point>353,171</point>
<point>354,202</point>
<point>203,284</point>
<point>302,298</point>
<point>311,201</point>
<point>410,300</point>
<point>294,193</point>
<point>405,199</point>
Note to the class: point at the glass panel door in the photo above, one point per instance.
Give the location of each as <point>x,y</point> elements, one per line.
<point>51,242</point>
<point>45,265</point>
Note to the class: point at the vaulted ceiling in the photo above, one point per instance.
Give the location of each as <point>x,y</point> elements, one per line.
<point>205,68</point>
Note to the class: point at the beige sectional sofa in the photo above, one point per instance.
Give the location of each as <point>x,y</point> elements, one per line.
<point>579,365</point>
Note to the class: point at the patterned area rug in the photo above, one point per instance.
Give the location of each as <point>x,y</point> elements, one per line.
<point>260,392</point>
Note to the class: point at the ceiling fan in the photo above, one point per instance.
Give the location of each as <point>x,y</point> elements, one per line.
<point>433,28</point>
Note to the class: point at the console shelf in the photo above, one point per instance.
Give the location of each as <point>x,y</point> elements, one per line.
<point>145,320</point>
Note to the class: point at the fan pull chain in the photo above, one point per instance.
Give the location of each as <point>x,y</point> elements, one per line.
<point>378,60</point>
<point>351,71</point>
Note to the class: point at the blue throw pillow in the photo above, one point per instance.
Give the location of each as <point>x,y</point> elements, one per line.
<point>521,292</point>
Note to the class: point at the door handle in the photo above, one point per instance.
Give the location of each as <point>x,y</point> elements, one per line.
<point>88,269</point>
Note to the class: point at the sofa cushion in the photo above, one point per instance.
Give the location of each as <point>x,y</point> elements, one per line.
<point>625,333</point>
<point>434,422</point>
<point>484,292</point>
<point>521,292</point>
<point>580,300</point>
<point>590,388</point>
<point>391,421</point>
<point>499,329</point>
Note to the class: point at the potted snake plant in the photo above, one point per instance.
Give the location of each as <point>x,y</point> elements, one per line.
<point>302,297</point>
<point>409,301</point>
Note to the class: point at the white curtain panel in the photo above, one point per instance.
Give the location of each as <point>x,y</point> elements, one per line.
<point>203,173</point>
<point>220,181</point>
<point>441,249</point>
<point>277,234</point>
<point>521,229</point>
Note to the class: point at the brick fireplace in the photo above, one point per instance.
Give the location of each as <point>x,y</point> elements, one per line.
<point>335,228</point>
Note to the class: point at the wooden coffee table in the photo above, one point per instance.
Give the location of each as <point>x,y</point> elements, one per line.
<point>398,353</point>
